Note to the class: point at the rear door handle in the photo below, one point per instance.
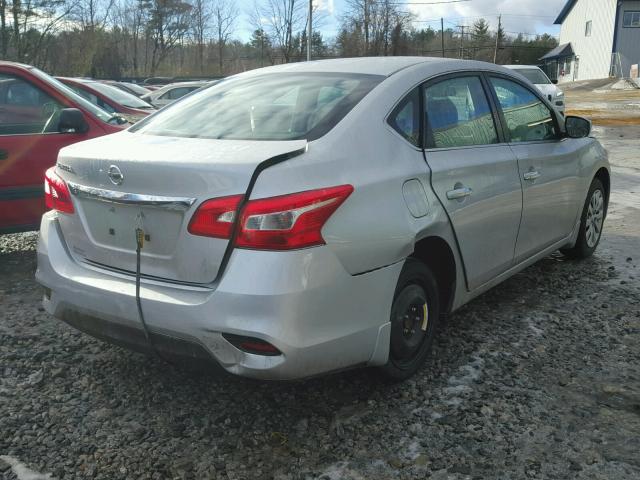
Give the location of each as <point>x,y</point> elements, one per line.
<point>531,175</point>
<point>4,154</point>
<point>459,193</point>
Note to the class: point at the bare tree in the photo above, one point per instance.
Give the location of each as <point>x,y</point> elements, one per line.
<point>225,14</point>
<point>283,18</point>
<point>4,34</point>
<point>168,23</point>
<point>201,25</point>
<point>379,21</point>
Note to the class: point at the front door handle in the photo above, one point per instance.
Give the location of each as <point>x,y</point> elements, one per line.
<point>4,154</point>
<point>531,175</point>
<point>459,193</point>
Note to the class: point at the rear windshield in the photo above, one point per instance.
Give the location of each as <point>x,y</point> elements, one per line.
<point>136,88</point>
<point>282,106</point>
<point>118,96</point>
<point>534,75</point>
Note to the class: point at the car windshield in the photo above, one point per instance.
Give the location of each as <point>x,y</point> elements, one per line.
<point>263,107</point>
<point>118,96</point>
<point>68,92</point>
<point>534,75</point>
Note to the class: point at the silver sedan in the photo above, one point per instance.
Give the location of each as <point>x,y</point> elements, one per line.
<point>312,217</point>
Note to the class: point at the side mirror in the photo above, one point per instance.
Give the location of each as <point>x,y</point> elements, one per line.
<point>577,127</point>
<point>72,121</point>
<point>554,81</point>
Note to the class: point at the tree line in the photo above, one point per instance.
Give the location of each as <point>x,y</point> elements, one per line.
<point>141,38</point>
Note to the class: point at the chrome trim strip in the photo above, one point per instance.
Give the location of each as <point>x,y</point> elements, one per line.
<point>112,196</point>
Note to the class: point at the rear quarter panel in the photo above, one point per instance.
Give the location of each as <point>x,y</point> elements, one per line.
<point>374,227</point>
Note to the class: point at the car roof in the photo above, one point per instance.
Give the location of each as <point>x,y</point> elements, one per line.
<point>385,66</point>
<point>6,63</point>
<point>527,67</point>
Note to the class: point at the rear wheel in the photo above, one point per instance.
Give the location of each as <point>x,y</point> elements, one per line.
<point>414,315</point>
<point>591,223</point>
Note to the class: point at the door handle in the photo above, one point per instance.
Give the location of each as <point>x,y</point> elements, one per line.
<point>4,154</point>
<point>531,175</point>
<point>459,193</point>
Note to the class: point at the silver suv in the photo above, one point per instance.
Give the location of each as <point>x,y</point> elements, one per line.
<point>306,218</point>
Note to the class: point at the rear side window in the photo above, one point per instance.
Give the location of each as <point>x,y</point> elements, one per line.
<point>528,118</point>
<point>458,114</point>
<point>265,107</point>
<point>405,118</point>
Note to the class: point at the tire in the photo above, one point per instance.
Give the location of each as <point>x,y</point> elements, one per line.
<point>591,223</point>
<point>414,316</point>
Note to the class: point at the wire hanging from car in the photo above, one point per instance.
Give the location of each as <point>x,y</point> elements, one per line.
<point>139,245</point>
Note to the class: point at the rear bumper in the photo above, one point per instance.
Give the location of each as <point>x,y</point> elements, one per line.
<point>321,318</point>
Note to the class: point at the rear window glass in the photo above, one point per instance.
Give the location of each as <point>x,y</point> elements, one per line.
<point>118,96</point>
<point>265,107</point>
<point>535,76</point>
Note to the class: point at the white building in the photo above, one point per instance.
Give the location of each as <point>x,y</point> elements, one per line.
<point>598,39</point>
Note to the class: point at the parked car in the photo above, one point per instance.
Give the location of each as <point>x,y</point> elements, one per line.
<point>129,87</point>
<point>172,92</point>
<point>307,218</point>
<point>38,116</point>
<point>110,98</point>
<point>548,88</point>
<point>158,81</point>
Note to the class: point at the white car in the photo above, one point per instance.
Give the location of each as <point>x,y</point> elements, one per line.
<point>536,76</point>
<point>170,93</point>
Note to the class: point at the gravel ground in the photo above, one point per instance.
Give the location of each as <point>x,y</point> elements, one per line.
<point>539,378</point>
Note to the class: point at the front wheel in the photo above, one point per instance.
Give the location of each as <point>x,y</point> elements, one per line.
<point>414,316</point>
<point>591,223</point>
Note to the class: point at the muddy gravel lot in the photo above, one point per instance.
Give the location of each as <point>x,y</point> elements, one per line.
<point>539,378</point>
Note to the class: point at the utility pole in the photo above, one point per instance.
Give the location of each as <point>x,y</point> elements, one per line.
<point>495,51</point>
<point>442,34</point>
<point>461,41</point>
<point>309,30</point>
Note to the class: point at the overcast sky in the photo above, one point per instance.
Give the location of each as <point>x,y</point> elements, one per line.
<point>527,16</point>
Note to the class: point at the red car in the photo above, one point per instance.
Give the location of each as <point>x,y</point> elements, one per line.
<point>38,116</point>
<point>110,98</point>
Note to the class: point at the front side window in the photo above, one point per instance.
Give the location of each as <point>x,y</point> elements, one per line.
<point>528,118</point>
<point>405,118</point>
<point>631,19</point>
<point>274,106</point>
<point>458,114</point>
<point>587,28</point>
<point>69,93</point>
<point>24,108</point>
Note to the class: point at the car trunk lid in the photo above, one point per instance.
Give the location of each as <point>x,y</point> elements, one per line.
<point>128,181</point>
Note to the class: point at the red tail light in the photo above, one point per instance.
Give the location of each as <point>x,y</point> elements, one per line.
<point>277,223</point>
<point>56,193</point>
<point>289,221</point>
<point>215,217</point>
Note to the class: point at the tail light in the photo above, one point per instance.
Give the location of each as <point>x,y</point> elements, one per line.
<point>277,223</point>
<point>215,217</point>
<point>56,193</point>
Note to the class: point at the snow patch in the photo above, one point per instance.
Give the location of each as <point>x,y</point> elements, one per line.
<point>340,471</point>
<point>413,450</point>
<point>471,372</point>
<point>22,471</point>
